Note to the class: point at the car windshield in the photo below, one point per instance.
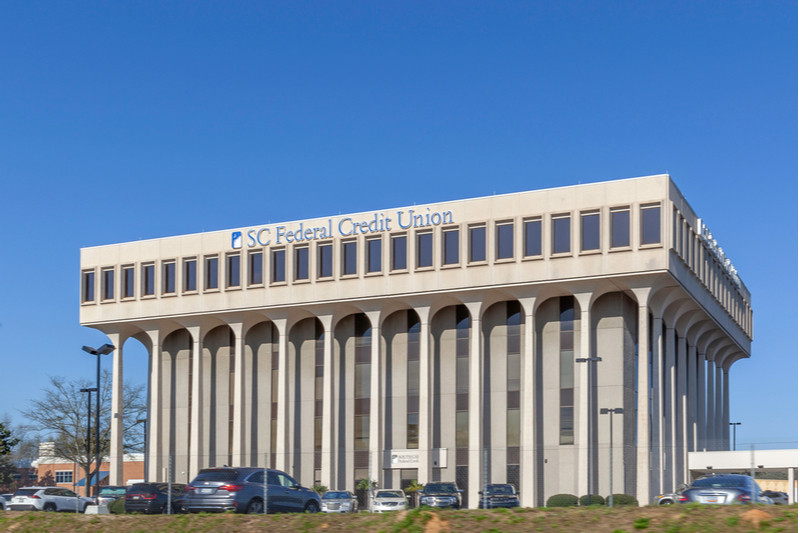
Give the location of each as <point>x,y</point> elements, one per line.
<point>722,481</point>
<point>440,487</point>
<point>26,492</point>
<point>336,496</point>
<point>217,475</point>
<point>141,488</point>
<point>500,489</point>
<point>389,494</point>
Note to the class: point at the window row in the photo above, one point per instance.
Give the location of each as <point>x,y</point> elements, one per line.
<point>405,251</point>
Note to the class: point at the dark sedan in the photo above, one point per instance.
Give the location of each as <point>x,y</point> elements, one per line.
<point>725,489</point>
<point>497,495</point>
<point>154,498</point>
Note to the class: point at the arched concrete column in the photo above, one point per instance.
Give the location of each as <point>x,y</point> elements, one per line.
<point>643,449</point>
<point>328,405</point>
<point>714,392</point>
<point>282,459</point>
<point>425,438</point>
<point>705,347</point>
<point>376,388</point>
<point>475,403</point>
<point>117,425</point>
<point>528,409</point>
<point>692,325</point>
<point>583,397</point>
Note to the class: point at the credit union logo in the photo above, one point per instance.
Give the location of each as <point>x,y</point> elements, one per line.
<point>236,240</point>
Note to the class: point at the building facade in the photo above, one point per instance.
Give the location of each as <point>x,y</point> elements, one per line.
<point>472,341</point>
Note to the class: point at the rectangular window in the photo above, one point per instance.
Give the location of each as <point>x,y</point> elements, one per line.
<point>424,249</point>
<point>561,234</point>
<point>63,476</point>
<point>566,370</point>
<point>450,246</point>
<point>505,241</point>
<point>325,260</point>
<point>255,268</point>
<point>620,228</point>
<point>651,224</point>
<point>128,289</point>
<point>399,252</point>
<point>412,431</point>
<point>87,286</point>
<point>512,428</point>
<point>278,266</point>
<point>533,237</point>
<point>168,277</point>
<point>477,244</point>
<point>234,270</point>
<point>349,258</point>
<point>374,255</point>
<point>189,275</point>
<point>108,283</point>
<point>590,231</point>
<point>462,429</point>
<point>148,280</point>
<point>212,273</point>
<point>301,263</point>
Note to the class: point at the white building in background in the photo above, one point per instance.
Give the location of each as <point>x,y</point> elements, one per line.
<point>436,342</point>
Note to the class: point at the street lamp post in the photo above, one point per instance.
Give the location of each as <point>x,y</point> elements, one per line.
<point>89,434</point>
<point>611,412</point>
<point>734,424</point>
<point>103,350</point>
<point>588,361</point>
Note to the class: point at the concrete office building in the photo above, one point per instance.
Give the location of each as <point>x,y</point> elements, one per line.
<point>436,342</point>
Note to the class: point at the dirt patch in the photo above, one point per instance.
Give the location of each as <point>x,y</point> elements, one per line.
<point>436,525</point>
<point>755,516</point>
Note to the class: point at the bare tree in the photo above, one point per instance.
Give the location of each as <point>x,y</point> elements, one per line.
<point>62,416</point>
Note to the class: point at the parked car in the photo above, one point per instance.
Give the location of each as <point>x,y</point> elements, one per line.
<point>48,499</point>
<point>5,500</point>
<point>154,497</point>
<point>724,489</point>
<point>388,500</point>
<point>440,494</point>
<point>497,495</point>
<point>670,498</point>
<point>242,490</point>
<point>339,501</point>
<point>110,493</point>
<point>777,497</point>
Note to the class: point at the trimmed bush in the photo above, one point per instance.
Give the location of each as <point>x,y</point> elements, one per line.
<point>625,499</point>
<point>562,500</point>
<point>594,499</point>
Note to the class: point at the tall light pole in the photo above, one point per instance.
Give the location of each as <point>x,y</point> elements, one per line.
<point>589,366</point>
<point>103,350</point>
<point>734,424</point>
<point>89,435</point>
<point>611,412</point>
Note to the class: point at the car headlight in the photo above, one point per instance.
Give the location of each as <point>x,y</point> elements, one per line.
<point>347,505</point>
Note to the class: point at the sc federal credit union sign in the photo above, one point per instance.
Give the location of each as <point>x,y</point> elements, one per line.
<point>339,227</point>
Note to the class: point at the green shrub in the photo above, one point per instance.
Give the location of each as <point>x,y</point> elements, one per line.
<point>117,506</point>
<point>625,499</point>
<point>562,500</point>
<point>594,499</point>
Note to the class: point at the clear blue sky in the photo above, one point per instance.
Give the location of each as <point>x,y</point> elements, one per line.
<point>134,120</point>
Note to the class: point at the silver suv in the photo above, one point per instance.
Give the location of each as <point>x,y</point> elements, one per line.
<point>242,490</point>
<point>48,499</point>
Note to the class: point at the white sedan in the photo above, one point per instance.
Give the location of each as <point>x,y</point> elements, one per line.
<point>388,500</point>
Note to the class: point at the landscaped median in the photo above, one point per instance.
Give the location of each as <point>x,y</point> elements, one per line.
<point>594,519</point>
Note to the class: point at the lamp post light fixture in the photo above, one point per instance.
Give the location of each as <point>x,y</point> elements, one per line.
<point>89,433</point>
<point>734,424</point>
<point>611,412</point>
<point>103,350</point>
<point>588,361</point>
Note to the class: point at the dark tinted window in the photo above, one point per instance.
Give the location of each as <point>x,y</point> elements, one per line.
<point>301,263</point>
<point>450,247</point>
<point>651,225</point>
<point>533,237</point>
<point>234,270</point>
<point>561,235</point>
<point>424,250</point>
<point>148,280</point>
<point>349,261</point>
<point>620,228</point>
<point>142,488</point>
<point>256,268</point>
<point>190,275</point>
<point>336,495</point>
<point>399,250</point>
<point>325,258</point>
<point>374,255</point>
<point>108,284</point>
<point>26,492</point>
<point>440,487</point>
<point>212,272</point>
<point>723,481</point>
<point>127,282</point>
<point>590,231</point>
<point>217,475</point>
<point>505,241</point>
<point>477,244</point>
<point>88,287</point>
<point>168,277</point>
<point>278,266</point>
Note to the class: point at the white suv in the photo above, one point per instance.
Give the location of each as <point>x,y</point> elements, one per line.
<point>47,499</point>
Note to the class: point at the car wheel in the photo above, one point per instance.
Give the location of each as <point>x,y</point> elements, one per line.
<point>312,507</point>
<point>49,507</point>
<point>665,502</point>
<point>255,506</point>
